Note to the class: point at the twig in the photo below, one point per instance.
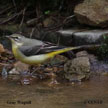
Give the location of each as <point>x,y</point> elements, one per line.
<point>22,18</point>
<point>34,20</point>
<point>11,17</point>
<point>4,64</point>
<point>32,32</point>
<point>4,10</point>
<point>54,27</point>
<point>60,25</point>
<point>67,18</point>
<point>58,43</point>
<point>31,20</point>
<point>14,4</point>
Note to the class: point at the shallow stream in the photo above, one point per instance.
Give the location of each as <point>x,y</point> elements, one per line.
<point>89,94</point>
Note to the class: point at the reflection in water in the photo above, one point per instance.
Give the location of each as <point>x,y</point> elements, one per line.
<point>15,95</point>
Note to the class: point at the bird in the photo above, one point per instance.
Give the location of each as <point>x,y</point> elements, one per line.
<point>33,51</point>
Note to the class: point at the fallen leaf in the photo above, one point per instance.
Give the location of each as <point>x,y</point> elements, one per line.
<point>48,69</point>
<point>14,71</point>
<point>21,66</point>
<point>2,48</point>
<point>55,69</point>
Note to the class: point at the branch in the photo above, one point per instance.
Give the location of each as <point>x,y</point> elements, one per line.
<point>4,10</point>
<point>7,20</point>
<point>22,18</point>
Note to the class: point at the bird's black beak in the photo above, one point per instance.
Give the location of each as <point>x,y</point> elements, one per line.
<point>7,36</point>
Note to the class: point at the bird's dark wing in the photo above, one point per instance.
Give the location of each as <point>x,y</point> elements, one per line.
<point>35,50</point>
<point>46,48</point>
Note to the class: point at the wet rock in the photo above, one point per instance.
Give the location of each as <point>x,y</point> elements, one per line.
<point>3,71</point>
<point>56,38</point>
<point>61,37</point>
<point>67,32</point>
<point>77,69</point>
<point>98,67</point>
<point>82,54</point>
<point>89,37</point>
<point>84,66</point>
<point>92,12</point>
<point>81,37</point>
<point>27,80</point>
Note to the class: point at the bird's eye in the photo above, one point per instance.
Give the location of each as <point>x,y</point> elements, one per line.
<point>16,38</point>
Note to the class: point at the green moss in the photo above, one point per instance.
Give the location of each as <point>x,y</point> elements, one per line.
<point>103,50</point>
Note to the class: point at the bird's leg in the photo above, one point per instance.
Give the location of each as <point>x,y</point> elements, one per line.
<point>38,67</point>
<point>53,74</point>
<point>55,62</point>
<point>53,79</point>
<point>52,59</point>
<point>50,64</point>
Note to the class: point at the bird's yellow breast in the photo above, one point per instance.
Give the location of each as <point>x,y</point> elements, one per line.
<point>37,59</point>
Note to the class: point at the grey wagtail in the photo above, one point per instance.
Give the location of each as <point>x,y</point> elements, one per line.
<point>32,51</point>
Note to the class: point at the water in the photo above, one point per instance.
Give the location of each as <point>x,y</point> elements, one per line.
<point>40,95</point>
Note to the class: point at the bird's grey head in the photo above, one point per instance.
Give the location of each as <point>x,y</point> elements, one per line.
<point>17,39</point>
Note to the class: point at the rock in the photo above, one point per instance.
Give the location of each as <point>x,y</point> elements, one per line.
<point>77,69</point>
<point>82,54</point>
<point>27,80</point>
<point>89,37</point>
<point>98,67</point>
<point>68,32</point>
<point>92,12</point>
<point>3,70</point>
<point>48,22</point>
<point>78,37</point>
<point>56,38</point>
<point>61,37</point>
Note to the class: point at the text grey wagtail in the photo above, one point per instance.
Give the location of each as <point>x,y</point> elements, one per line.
<point>32,51</point>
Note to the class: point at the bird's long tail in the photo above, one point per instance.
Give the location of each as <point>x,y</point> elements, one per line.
<point>52,54</point>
